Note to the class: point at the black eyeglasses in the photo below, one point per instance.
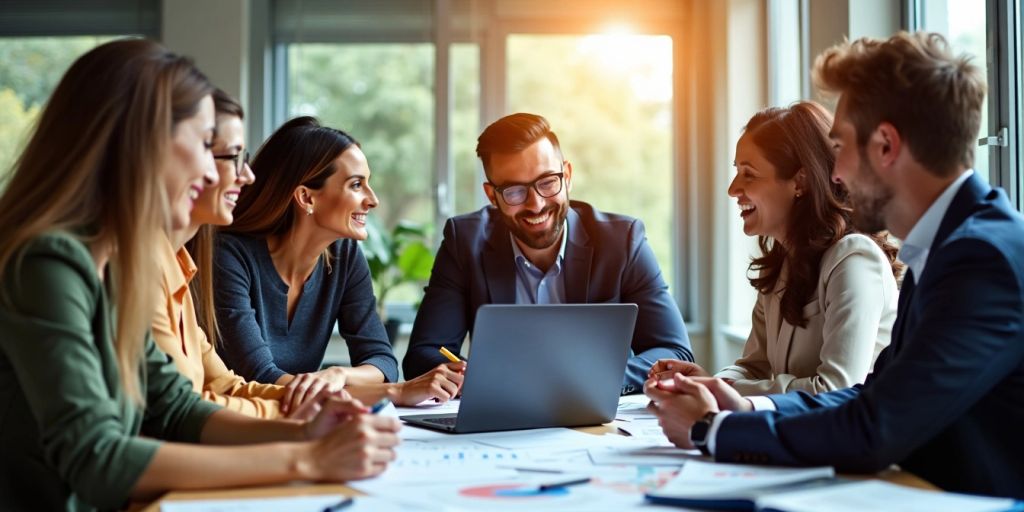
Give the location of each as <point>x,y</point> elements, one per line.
<point>516,194</point>
<point>239,159</point>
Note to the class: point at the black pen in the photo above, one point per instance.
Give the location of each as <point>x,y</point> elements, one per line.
<point>339,505</point>
<point>558,485</point>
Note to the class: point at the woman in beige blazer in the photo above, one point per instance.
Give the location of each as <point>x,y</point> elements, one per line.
<point>826,294</point>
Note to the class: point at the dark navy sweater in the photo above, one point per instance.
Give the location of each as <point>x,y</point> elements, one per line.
<point>252,310</point>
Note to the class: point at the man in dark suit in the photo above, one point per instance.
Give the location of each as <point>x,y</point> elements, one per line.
<point>946,398</point>
<point>533,246</point>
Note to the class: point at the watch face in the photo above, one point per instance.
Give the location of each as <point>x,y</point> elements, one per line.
<point>699,432</point>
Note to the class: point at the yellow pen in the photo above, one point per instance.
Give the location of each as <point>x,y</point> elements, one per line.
<point>451,357</point>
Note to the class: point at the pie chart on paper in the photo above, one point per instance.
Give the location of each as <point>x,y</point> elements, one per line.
<point>513,492</point>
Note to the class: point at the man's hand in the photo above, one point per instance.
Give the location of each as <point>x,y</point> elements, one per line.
<point>442,384</point>
<point>679,403</point>
<point>728,399</point>
<point>663,369</point>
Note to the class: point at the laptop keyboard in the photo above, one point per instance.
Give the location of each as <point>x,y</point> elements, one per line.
<point>445,422</point>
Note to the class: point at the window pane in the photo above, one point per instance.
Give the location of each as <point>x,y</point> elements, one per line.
<point>30,68</point>
<point>609,99</point>
<point>963,24</point>
<point>465,126</point>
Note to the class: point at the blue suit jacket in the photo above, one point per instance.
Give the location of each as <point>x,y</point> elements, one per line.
<point>946,399</point>
<point>607,259</point>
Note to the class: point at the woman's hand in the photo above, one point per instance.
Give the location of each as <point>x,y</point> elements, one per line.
<point>664,369</point>
<point>442,384</point>
<point>349,443</point>
<point>305,386</point>
<point>310,408</point>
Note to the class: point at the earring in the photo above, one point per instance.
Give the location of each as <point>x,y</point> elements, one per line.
<point>798,194</point>
<point>309,210</point>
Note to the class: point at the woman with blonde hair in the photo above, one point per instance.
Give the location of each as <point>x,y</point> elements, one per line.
<point>93,414</point>
<point>289,269</point>
<point>827,294</point>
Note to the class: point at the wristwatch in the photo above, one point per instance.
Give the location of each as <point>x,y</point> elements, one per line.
<point>699,432</point>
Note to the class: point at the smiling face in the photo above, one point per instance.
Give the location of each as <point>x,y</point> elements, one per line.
<point>539,221</point>
<point>764,199</point>
<point>190,162</point>
<point>870,198</point>
<point>216,203</point>
<point>341,205</point>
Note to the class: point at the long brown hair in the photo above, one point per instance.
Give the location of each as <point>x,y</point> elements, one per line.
<point>792,139</point>
<point>111,120</point>
<point>300,152</point>
<point>201,245</point>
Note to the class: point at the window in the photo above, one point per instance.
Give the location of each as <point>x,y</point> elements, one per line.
<point>963,24</point>
<point>616,130</point>
<point>39,40</point>
<point>30,68</point>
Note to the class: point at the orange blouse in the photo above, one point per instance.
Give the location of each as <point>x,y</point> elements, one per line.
<point>176,331</point>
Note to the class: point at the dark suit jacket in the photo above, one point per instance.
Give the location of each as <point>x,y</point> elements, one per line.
<point>607,259</point>
<point>946,399</point>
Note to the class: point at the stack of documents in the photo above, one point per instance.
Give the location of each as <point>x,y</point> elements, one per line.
<point>734,486</point>
<point>773,489</point>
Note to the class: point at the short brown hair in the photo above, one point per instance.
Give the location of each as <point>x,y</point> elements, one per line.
<point>512,134</point>
<point>913,81</point>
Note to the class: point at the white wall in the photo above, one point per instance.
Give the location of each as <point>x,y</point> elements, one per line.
<point>216,35</point>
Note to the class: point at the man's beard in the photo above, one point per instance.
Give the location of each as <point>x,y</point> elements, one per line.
<point>539,240</point>
<point>869,201</point>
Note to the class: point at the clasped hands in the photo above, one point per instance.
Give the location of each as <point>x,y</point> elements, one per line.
<point>682,393</point>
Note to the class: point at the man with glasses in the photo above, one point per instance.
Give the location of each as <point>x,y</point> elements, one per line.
<point>533,245</point>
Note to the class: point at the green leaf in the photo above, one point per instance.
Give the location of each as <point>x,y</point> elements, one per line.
<point>416,262</point>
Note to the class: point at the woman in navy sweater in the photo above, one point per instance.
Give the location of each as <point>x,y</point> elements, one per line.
<point>290,268</point>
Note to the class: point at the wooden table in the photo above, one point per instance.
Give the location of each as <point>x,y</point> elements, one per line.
<point>307,489</point>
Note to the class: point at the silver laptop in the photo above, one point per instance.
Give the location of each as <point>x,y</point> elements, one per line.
<point>535,366</point>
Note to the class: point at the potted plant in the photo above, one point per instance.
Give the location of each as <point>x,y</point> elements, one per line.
<point>396,257</point>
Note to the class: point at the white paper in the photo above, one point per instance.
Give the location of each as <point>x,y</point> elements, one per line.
<point>290,503</point>
<point>642,455</point>
<point>642,430</point>
<point>877,496</point>
<point>428,407</point>
<point>550,438</point>
<point>634,407</point>
<point>705,479</point>
<point>521,495</point>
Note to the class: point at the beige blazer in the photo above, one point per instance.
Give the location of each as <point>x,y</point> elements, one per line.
<point>849,321</point>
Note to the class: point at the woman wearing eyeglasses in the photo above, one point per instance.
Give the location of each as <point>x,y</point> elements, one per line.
<point>176,325</point>
<point>289,269</point>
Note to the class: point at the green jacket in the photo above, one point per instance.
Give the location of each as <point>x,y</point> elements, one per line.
<point>69,438</point>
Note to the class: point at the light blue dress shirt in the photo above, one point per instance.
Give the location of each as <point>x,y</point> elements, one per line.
<point>534,286</point>
<point>915,248</point>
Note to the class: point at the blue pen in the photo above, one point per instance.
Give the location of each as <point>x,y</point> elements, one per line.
<point>377,407</point>
<point>339,505</point>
